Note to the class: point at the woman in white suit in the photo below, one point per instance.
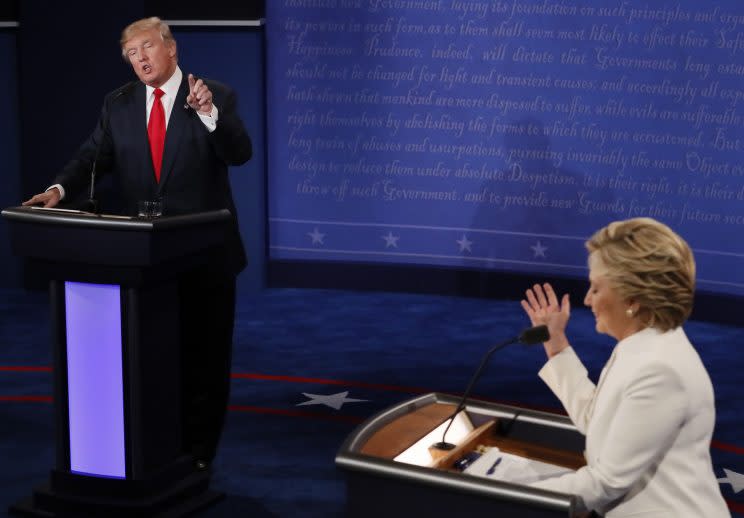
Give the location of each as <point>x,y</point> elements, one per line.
<point>649,420</point>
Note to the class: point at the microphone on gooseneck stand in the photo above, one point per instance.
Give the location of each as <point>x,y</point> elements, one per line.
<point>531,336</point>
<point>92,202</point>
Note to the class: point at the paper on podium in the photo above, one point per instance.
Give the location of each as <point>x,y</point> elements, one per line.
<point>78,212</point>
<point>513,468</point>
<point>418,454</point>
<point>58,209</point>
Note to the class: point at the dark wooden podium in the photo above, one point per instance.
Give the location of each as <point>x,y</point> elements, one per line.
<point>377,485</point>
<point>115,323</point>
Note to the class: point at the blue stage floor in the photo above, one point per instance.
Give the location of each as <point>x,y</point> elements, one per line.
<point>277,453</point>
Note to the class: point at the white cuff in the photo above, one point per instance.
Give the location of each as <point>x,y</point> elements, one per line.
<point>210,120</point>
<point>59,188</point>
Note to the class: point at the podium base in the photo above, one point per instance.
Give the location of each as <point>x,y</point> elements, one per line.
<point>181,499</point>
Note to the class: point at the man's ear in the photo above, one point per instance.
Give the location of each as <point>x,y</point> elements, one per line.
<point>172,50</point>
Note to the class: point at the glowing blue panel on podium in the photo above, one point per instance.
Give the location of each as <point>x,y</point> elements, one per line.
<point>94,374</point>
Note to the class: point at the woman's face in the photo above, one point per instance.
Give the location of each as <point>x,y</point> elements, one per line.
<point>610,310</point>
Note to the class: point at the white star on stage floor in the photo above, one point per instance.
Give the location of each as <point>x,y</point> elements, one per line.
<point>391,240</point>
<point>539,249</point>
<point>335,401</point>
<point>464,243</point>
<point>735,479</point>
<point>316,236</point>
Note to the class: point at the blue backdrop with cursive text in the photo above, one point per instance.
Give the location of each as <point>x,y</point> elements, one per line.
<point>501,134</point>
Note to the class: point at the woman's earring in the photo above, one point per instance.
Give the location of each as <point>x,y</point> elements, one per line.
<point>629,312</point>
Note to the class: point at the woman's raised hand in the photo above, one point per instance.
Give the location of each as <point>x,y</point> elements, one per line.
<point>542,308</point>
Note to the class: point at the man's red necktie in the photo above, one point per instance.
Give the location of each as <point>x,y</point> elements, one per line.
<point>156,132</point>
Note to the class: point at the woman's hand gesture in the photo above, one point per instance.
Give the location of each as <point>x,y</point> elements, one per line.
<point>542,308</point>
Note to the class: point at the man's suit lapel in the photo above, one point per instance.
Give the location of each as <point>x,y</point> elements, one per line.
<point>179,118</point>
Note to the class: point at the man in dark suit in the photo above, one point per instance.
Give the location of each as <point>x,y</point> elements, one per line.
<point>171,138</point>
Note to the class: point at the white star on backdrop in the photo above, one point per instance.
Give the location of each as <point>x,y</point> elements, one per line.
<point>464,243</point>
<point>391,240</point>
<point>539,249</point>
<point>735,479</point>
<point>335,401</point>
<point>316,236</point>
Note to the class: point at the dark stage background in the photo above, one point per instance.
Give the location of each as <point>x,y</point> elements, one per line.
<point>59,102</point>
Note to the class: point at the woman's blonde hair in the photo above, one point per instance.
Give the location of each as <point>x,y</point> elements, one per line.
<point>145,24</point>
<point>650,265</point>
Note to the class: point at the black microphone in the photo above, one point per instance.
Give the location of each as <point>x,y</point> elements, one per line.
<point>91,194</point>
<point>531,336</point>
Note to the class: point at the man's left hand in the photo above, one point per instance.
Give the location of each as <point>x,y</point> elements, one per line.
<point>200,97</point>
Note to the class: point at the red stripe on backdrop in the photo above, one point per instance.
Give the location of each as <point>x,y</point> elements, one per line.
<point>24,368</point>
<point>25,399</point>
<point>726,447</point>
<point>295,413</point>
<point>736,507</point>
<point>718,445</point>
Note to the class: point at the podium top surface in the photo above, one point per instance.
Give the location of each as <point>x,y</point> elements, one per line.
<point>76,245</point>
<point>78,218</point>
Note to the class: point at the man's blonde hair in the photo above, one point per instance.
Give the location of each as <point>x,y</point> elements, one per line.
<point>649,264</point>
<point>145,24</point>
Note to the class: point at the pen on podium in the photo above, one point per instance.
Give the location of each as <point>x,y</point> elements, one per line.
<point>493,466</point>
